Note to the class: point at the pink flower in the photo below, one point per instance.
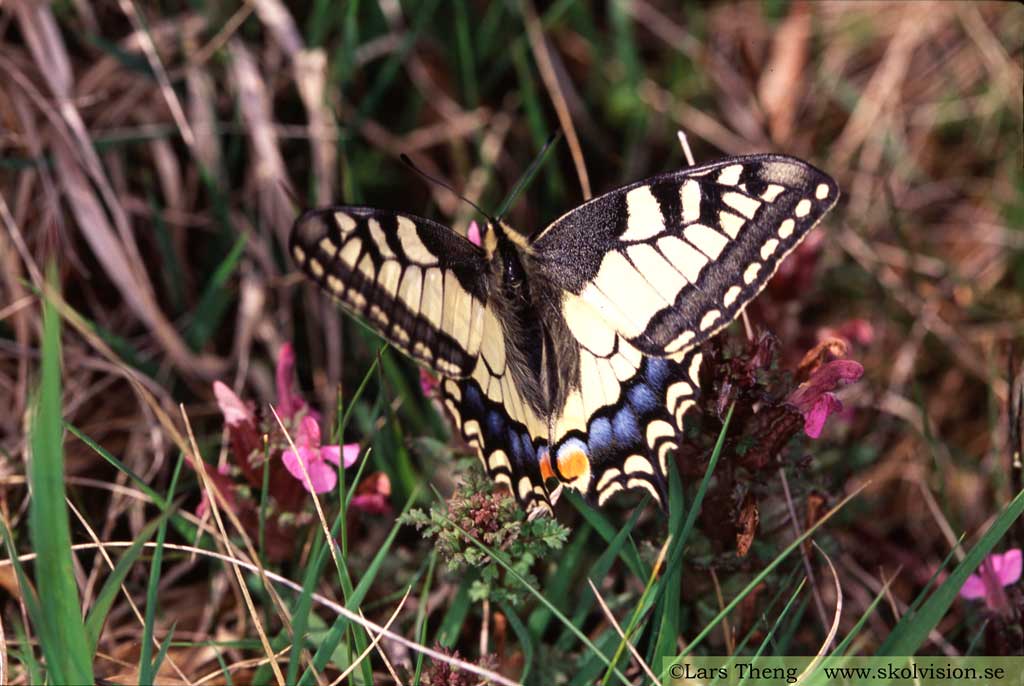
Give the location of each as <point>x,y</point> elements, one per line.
<point>235,411</point>
<point>473,233</point>
<point>995,572</point>
<point>372,494</point>
<point>428,383</point>
<point>243,429</point>
<point>289,404</point>
<point>320,461</point>
<point>814,397</point>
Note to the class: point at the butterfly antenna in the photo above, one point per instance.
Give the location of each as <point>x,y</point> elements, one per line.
<point>409,163</point>
<point>530,172</point>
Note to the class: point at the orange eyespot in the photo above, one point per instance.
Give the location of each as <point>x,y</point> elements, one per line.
<point>573,463</point>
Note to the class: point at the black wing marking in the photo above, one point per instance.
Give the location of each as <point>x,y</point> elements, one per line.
<point>417,282</point>
<point>504,431</point>
<point>669,261</point>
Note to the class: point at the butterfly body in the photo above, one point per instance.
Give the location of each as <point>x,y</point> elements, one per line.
<point>573,354</point>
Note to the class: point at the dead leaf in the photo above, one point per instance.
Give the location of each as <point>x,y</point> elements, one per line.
<point>746,523</point>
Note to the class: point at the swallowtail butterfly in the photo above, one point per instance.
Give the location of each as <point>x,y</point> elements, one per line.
<point>572,354</point>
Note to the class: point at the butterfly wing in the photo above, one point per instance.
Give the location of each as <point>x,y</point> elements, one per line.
<point>619,437</point>
<point>424,288</point>
<point>648,272</point>
<point>510,439</point>
<point>669,261</point>
<point>417,282</point>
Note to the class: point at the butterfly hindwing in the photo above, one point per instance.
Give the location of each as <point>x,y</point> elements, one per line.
<point>418,283</point>
<point>619,436</point>
<point>669,261</point>
<point>510,445</point>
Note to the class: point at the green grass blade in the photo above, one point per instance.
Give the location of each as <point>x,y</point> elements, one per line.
<point>215,298</point>
<point>26,654</point>
<point>605,529</point>
<point>531,172</point>
<point>67,651</point>
<point>775,627</point>
<point>464,45</point>
<point>137,480</point>
<point>421,613</point>
<point>31,600</point>
<point>861,621</point>
<point>304,605</point>
<point>105,598</point>
<point>558,584</point>
<point>455,616</point>
<point>185,528</point>
<point>148,670</point>
<point>524,637</point>
<point>597,571</point>
<point>677,546</point>
<point>394,63</point>
<point>767,611</point>
<point>224,671</point>
<point>511,571</point>
<point>789,632</point>
<point>160,655</point>
<point>590,666</point>
<point>634,622</point>
<point>914,627</point>
<point>758,579</point>
<point>353,598</point>
<point>668,617</point>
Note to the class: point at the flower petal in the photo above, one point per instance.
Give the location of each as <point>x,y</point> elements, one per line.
<point>331,453</point>
<point>351,452</point>
<point>973,588</point>
<point>323,475</point>
<point>372,494</point>
<point>1007,566</point>
<point>231,406</point>
<point>291,462</point>
<point>288,403</point>
<point>428,382</point>
<point>371,503</point>
<point>473,233</point>
<point>836,373</point>
<point>335,453</point>
<point>308,434</point>
<point>814,419</point>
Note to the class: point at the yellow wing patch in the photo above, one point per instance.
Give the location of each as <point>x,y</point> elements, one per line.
<point>416,283</point>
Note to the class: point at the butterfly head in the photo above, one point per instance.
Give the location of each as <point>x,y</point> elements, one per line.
<point>496,234</point>
<point>506,250</point>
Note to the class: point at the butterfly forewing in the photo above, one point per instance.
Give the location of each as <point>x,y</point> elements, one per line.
<point>669,261</point>
<point>419,284</point>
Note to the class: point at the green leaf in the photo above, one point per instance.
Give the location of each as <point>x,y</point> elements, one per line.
<point>66,649</point>
<point>112,586</point>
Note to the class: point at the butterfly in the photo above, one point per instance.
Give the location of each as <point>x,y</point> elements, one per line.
<point>572,354</point>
